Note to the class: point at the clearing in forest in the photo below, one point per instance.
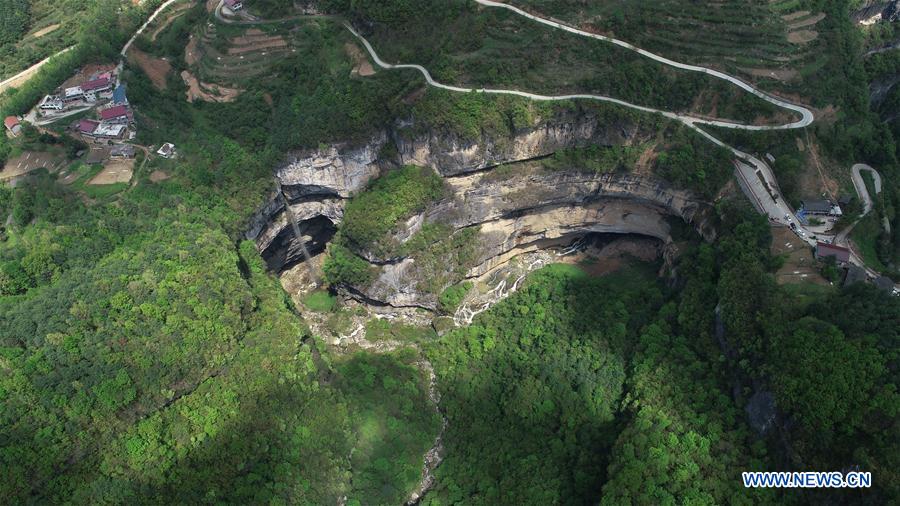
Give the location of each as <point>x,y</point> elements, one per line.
<point>156,69</point>
<point>114,171</point>
<point>207,92</point>
<point>44,31</point>
<point>361,64</point>
<point>29,161</point>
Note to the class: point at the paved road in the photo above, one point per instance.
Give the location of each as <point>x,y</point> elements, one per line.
<point>807,116</point>
<point>843,238</point>
<point>860,185</point>
<point>765,201</point>
<point>25,75</point>
<point>144,26</point>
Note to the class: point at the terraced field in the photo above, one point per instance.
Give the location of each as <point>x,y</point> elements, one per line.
<point>233,55</point>
<point>49,31</point>
<point>487,47</point>
<point>772,39</point>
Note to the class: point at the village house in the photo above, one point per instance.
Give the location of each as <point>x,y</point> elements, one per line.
<point>821,208</point>
<point>87,127</point>
<point>119,97</point>
<point>12,124</point>
<point>51,103</point>
<point>122,151</point>
<point>109,131</point>
<point>73,93</point>
<point>119,114</point>
<point>234,5</point>
<point>824,250</point>
<point>167,150</point>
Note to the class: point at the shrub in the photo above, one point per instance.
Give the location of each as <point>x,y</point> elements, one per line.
<point>371,215</point>
<point>319,301</point>
<point>452,296</point>
<point>343,267</point>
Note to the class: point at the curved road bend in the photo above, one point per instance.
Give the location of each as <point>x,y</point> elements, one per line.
<point>860,185</point>
<point>144,26</point>
<point>776,209</point>
<point>807,116</point>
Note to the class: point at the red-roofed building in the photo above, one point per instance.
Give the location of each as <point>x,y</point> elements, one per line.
<point>825,250</point>
<point>97,85</point>
<point>116,114</point>
<point>88,126</point>
<point>12,124</point>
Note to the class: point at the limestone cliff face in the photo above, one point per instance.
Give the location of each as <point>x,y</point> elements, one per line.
<point>516,211</point>
<point>525,212</point>
<point>336,171</point>
<point>451,155</point>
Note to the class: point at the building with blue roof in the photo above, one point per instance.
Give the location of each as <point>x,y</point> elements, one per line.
<point>119,95</point>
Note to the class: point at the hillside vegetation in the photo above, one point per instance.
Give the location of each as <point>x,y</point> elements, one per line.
<point>148,357</point>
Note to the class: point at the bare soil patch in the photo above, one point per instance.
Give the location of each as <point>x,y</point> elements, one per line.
<point>30,161</point>
<point>645,161</point>
<point>44,31</point>
<point>802,36</point>
<point>799,265</point>
<point>211,5</point>
<point>810,21</point>
<point>795,15</point>
<point>815,179</point>
<point>207,92</point>
<point>361,65</point>
<point>96,154</point>
<point>114,171</point>
<point>156,69</point>
<point>777,74</point>
<point>159,175</point>
<point>258,45</point>
<point>415,96</point>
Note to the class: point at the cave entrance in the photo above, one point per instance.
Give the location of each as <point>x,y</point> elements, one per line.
<point>601,253</point>
<point>284,252</point>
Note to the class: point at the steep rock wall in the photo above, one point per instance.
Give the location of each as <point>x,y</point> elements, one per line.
<point>515,212</point>
<point>531,211</point>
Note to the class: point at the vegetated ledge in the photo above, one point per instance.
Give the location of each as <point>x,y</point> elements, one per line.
<point>525,213</point>
<point>514,211</point>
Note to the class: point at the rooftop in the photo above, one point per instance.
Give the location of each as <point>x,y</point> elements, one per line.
<point>107,130</point>
<point>95,84</point>
<point>119,94</point>
<point>88,126</point>
<point>823,249</point>
<point>114,112</point>
<point>817,206</point>
<point>11,121</point>
<point>122,150</point>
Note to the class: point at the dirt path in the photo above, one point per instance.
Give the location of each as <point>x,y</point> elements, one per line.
<point>20,78</point>
<point>177,13</point>
<point>44,31</point>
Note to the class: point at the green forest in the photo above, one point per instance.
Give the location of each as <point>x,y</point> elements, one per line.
<point>148,356</point>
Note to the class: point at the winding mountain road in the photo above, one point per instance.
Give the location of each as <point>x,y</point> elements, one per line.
<point>144,26</point>
<point>747,167</point>
<point>860,185</point>
<point>807,116</point>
